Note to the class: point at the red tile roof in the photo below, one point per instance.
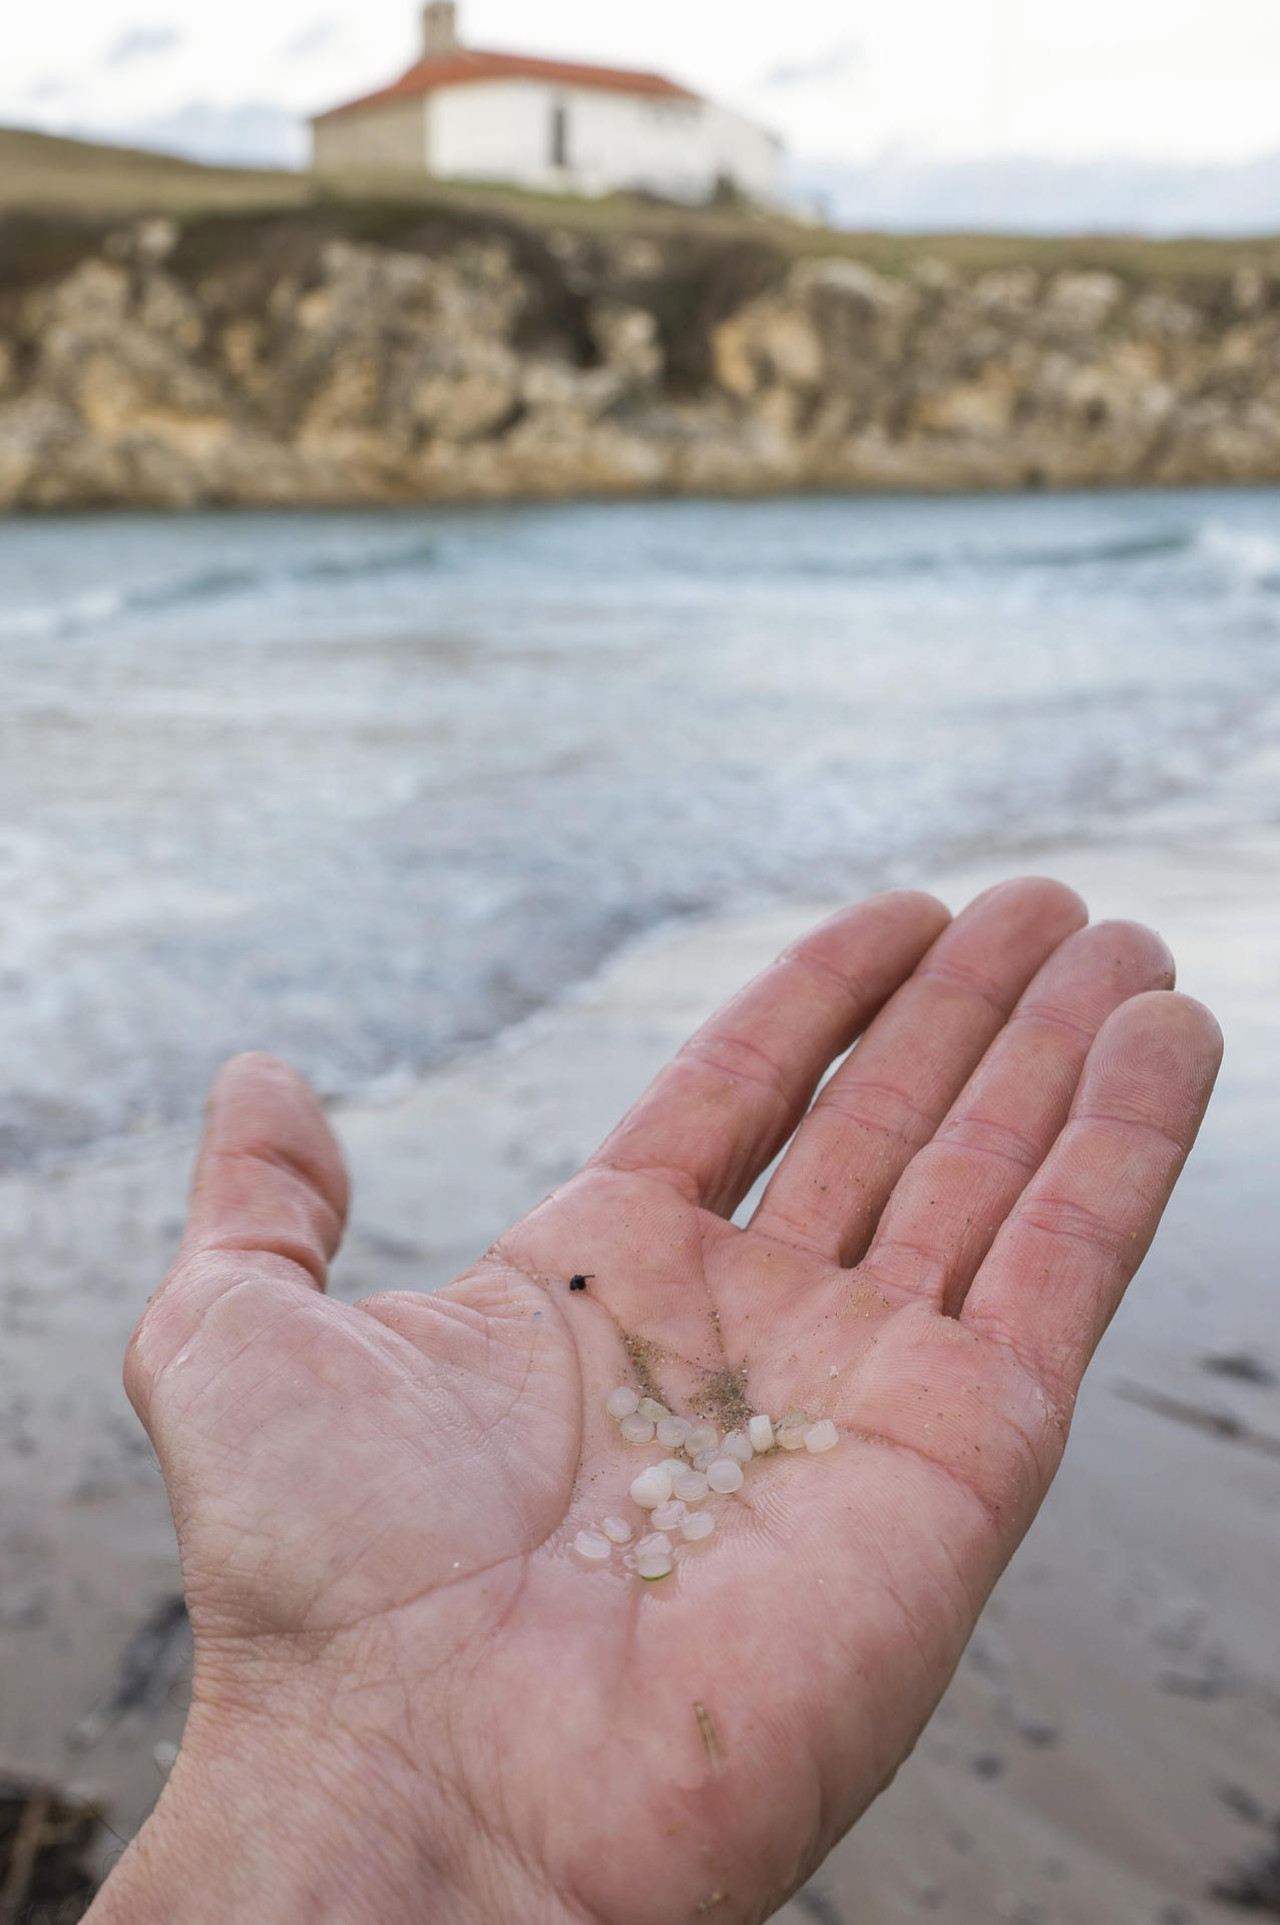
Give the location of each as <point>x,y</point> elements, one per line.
<point>465,66</point>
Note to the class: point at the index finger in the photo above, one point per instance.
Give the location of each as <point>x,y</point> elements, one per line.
<point>720,1113</point>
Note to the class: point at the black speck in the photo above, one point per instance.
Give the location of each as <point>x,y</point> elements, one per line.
<point>580,1283</point>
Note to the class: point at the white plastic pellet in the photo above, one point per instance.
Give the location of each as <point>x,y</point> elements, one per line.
<point>705,1459</point>
<point>616,1529</point>
<point>760,1431</point>
<point>656,1544</point>
<point>651,1488</point>
<point>622,1402</point>
<point>725,1475</point>
<point>738,1444</point>
<point>690,1487</point>
<point>637,1429</point>
<point>792,1436</point>
<point>823,1436</point>
<point>668,1517</point>
<point>651,1568</point>
<point>697,1524</point>
<point>701,1437</point>
<point>593,1545</point>
<point>672,1432</point>
<point>674,1467</point>
<point>650,1407</point>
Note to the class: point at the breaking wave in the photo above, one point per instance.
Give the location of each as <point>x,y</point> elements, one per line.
<point>1249,558</point>
<point>97,607</point>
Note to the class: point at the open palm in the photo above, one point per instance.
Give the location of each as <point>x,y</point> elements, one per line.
<point>377,1504</point>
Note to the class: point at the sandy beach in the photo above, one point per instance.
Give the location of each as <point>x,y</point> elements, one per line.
<point>1110,1749</point>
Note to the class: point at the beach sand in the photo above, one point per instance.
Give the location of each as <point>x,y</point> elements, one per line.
<point>1110,1748</point>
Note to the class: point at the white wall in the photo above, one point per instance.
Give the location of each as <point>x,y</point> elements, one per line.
<point>489,130</point>
<point>746,154</point>
<point>502,130</point>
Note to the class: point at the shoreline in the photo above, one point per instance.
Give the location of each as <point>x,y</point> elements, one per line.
<point>402,1082</point>
<point>1125,1668</point>
<point>591,494</point>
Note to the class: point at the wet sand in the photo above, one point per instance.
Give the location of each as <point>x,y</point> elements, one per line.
<point>1111,1745</point>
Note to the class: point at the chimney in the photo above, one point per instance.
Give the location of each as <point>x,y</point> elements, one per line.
<point>439,29</point>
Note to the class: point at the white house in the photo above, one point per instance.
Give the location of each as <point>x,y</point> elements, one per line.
<point>461,114</point>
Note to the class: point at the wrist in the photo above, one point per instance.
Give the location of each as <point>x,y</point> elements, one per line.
<point>267,1819</point>
<point>245,1830</point>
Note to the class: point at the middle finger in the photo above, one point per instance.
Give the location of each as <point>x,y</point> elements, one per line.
<point>887,1100</point>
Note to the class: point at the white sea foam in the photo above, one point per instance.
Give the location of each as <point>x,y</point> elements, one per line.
<point>1248,557</point>
<point>89,610</point>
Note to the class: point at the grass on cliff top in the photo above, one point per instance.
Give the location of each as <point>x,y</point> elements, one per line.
<point>43,173</point>
<point>77,181</point>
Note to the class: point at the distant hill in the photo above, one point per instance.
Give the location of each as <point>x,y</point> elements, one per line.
<point>970,215</point>
<point>93,183</point>
<point>45,171</point>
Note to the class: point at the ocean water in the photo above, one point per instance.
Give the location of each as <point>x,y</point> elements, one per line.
<point>366,788</point>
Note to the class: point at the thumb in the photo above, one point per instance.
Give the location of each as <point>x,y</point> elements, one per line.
<point>268,1199</point>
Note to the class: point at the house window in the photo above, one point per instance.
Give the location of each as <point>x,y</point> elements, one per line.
<point>560,136</point>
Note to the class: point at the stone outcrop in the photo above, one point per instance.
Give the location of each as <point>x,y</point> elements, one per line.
<point>315,359</point>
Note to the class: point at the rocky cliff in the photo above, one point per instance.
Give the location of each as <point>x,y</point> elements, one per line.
<point>324,357</point>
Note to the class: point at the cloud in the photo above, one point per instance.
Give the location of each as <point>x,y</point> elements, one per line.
<point>313,39</point>
<point>50,88</point>
<point>254,134</point>
<point>142,43</point>
<point>836,64</point>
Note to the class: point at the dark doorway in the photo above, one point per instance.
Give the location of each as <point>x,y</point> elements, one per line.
<point>559,136</point>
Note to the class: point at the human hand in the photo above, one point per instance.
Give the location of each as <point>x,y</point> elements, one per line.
<point>412,1698</point>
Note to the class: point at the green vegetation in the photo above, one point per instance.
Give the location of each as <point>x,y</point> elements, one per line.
<point>40,171</point>
<point>80,186</point>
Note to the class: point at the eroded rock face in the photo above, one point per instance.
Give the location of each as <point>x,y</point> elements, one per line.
<point>246,361</point>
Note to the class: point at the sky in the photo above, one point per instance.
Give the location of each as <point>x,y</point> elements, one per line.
<point>905,85</point>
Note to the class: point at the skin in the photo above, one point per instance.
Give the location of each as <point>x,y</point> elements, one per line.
<point>412,1699</point>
